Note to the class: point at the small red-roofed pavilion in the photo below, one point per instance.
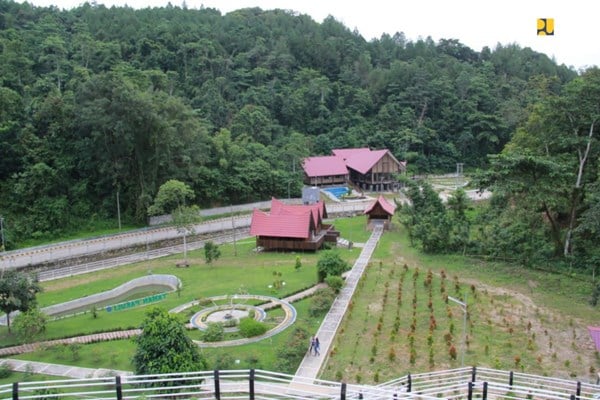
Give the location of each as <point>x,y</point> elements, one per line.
<point>292,227</point>
<point>380,211</point>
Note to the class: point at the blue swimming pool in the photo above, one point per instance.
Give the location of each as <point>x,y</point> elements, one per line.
<point>337,191</point>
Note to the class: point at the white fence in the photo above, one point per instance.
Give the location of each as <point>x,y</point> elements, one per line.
<point>464,383</point>
<point>484,383</point>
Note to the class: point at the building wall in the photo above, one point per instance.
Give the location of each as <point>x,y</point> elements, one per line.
<point>326,180</point>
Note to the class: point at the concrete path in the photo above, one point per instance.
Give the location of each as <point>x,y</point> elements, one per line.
<point>70,371</point>
<point>311,365</point>
<point>97,337</point>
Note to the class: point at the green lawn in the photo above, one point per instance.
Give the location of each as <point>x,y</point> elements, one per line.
<point>247,270</point>
<point>519,319</point>
<point>353,229</point>
<point>25,377</point>
<point>117,354</point>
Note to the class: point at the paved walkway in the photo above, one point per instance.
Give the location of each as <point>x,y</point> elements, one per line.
<point>311,365</point>
<point>60,370</point>
<point>97,337</point>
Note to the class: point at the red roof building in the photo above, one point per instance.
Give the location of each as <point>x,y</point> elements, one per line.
<point>326,170</point>
<point>349,153</point>
<point>292,227</point>
<point>318,210</point>
<point>368,169</point>
<point>380,211</point>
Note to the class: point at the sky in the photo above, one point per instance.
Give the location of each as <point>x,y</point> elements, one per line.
<point>475,23</point>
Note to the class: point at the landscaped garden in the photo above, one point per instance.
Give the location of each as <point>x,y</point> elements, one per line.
<point>239,269</point>
<point>401,319</point>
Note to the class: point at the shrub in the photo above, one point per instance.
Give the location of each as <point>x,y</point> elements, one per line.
<point>321,302</point>
<point>292,351</point>
<point>214,332</point>
<point>230,323</point>
<point>250,327</point>
<point>224,361</point>
<point>431,359</point>
<point>392,354</point>
<point>163,347</point>
<point>330,263</point>
<point>211,252</point>
<point>452,352</point>
<point>30,325</point>
<point>75,348</point>
<point>335,282</point>
<point>5,370</point>
<point>46,393</point>
<point>253,360</point>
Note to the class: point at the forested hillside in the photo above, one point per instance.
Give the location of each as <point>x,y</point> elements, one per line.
<point>545,209</point>
<point>97,101</point>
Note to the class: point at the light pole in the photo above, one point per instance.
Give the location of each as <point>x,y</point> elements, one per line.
<point>463,306</point>
<point>119,210</point>
<point>2,232</point>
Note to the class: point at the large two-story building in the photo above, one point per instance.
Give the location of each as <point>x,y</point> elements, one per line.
<point>374,170</point>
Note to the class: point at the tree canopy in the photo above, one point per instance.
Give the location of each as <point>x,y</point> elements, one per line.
<point>163,346</point>
<point>98,101</point>
<point>18,292</point>
<point>545,184</point>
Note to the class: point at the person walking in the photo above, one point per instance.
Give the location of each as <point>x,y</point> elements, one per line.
<point>312,345</point>
<point>317,347</point>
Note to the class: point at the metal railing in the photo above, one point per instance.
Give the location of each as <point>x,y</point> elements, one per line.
<point>463,383</point>
<point>485,383</point>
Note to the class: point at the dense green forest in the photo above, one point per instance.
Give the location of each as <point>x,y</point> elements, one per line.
<point>545,209</point>
<point>98,101</point>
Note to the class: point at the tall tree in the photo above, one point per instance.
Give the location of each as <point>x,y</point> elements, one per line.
<point>18,292</point>
<point>163,346</point>
<point>171,199</point>
<point>544,166</point>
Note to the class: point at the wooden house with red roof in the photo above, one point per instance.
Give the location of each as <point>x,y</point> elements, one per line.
<point>380,211</point>
<point>368,169</point>
<point>292,227</point>
<point>325,170</point>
